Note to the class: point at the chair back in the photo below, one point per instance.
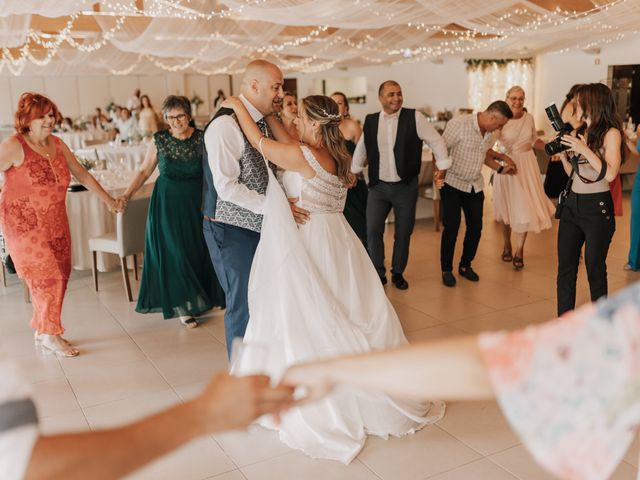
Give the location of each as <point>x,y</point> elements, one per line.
<point>131,226</point>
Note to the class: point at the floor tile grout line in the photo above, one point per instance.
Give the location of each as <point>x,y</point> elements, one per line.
<point>369,468</point>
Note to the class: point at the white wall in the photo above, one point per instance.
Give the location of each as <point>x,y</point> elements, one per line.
<point>80,95</point>
<point>425,84</point>
<point>556,73</point>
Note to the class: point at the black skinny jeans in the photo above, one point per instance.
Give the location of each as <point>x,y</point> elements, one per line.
<point>587,218</point>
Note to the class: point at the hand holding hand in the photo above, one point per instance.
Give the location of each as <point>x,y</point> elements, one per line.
<point>121,203</point>
<point>229,403</point>
<point>300,215</point>
<point>353,182</point>
<point>311,377</point>
<point>112,205</point>
<point>438,178</point>
<point>510,167</point>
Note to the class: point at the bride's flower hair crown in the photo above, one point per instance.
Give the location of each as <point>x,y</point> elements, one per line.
<point>330,116</point>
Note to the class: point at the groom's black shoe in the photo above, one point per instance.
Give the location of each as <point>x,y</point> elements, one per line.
<point>448,279</point>
<point>399,281</point>
<point>383,279</point>
<point>468,273</point>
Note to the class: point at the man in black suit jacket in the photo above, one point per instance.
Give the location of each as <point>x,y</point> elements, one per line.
<point>391,143</point>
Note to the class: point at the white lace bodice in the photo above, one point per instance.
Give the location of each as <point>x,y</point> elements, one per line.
<point>323,193</point>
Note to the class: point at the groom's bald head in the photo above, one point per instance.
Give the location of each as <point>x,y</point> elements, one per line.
<point>262,86</point>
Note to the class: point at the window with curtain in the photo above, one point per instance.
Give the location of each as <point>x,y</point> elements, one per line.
<point>489,80</point>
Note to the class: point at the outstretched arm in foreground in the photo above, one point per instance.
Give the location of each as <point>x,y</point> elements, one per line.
<point>227,403</point>
<point>449,369</point>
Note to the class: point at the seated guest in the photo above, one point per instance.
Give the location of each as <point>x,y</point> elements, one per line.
<point>126,125</point>
<point>227,403</point>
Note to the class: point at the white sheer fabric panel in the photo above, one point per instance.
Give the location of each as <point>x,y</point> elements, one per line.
<point>492,82</point>
<point>301,35</point>
<point>55,8</point>
<point>14,30</point>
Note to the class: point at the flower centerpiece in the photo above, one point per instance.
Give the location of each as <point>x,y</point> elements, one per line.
<point>196,101</point>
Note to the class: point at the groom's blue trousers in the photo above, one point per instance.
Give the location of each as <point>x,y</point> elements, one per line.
<point>231,250</point>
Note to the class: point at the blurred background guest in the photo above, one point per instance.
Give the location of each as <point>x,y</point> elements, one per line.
<point>633,262</point>
<point>177,276</point>
<point>133,103</point>
<point>218,100</point>
<point>556,178</point>
<point>355,208</point>
<point>148,122</point>
<point>126,125</point>
<point>289,113</point>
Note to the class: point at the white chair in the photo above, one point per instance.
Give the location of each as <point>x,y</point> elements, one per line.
<point>128,239</point>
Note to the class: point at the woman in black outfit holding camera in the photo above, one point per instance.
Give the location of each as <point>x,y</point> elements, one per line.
<point>587,215</point>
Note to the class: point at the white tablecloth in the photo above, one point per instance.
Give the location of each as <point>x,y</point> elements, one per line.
<point>128,157</point>
<point>89,217</point>
<point>76,140</point>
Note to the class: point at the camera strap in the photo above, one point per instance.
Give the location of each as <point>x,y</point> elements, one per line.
<point>575,167</point>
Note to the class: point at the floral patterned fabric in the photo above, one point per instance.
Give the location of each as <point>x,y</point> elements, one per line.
<point>36,230</point>
<point>571,387</point>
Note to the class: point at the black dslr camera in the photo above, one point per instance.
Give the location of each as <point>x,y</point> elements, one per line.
<point>555,146</point>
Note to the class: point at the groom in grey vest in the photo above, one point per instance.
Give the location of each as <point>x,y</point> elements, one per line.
<point>234,188</point>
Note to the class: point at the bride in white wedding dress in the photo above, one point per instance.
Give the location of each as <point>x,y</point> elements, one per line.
<point>314,293</point>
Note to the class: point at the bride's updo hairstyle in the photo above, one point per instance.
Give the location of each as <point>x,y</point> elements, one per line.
<point>324,110</point>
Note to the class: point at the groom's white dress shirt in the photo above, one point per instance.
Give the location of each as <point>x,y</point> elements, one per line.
<point>387,132</point>
<point>225,144</point>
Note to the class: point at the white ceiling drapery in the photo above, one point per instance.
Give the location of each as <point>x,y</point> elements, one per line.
<point>304,35</point>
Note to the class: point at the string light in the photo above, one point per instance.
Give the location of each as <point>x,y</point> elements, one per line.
<point>390,44</point>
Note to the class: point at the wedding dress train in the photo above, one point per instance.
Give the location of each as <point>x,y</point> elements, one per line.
<point>314,293</point>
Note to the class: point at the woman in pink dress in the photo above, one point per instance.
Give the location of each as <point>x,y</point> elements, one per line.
<point>37,168</point>
<point>519,201</point>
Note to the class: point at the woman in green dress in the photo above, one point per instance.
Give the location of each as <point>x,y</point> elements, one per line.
<point>177,277</point>
<point>355,207</point>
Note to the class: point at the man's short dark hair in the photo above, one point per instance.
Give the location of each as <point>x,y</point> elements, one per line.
<point>501,107</point>
<point>384,84</point>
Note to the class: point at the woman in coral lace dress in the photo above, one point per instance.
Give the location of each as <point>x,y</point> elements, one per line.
<point>38,167</point>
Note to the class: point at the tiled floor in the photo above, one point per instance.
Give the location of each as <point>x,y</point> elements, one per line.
<point>132,365</point>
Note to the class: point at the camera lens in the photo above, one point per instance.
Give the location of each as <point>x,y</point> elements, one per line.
<point>555,146</point>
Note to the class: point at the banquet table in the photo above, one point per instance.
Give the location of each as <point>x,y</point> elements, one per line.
<point>76,140</point>
<point>116,156</point>
<point>89,217</point>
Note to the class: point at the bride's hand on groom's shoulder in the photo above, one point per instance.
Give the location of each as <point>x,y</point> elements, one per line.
<point>231,102</point>
<point>300,215</point>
